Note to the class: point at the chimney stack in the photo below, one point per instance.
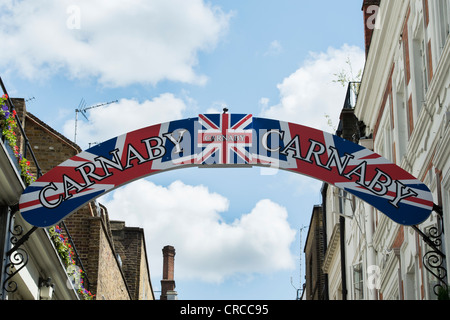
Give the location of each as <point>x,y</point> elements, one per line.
<point>370,11</point>
<point>168,283</point>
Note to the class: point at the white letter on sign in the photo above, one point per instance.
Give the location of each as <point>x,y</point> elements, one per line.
<point>176,142</point>
<point>44,200</point>
<point>265,136</point>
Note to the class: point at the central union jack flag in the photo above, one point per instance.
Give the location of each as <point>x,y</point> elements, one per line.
<point>224,139</point>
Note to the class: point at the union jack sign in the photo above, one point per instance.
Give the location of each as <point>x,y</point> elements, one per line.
<point>224,140</point>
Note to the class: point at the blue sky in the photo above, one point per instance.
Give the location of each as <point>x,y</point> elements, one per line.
<point>236,231</point>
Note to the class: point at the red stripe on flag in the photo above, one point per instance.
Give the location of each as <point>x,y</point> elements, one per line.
<point>211,124</point>
<point>225,125</point>
<point>371,156</point>
<point>237,125</point>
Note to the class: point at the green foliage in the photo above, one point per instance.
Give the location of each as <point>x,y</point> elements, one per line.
<point>344,77</point>
<point>8,126</point>
<point>67,255</point>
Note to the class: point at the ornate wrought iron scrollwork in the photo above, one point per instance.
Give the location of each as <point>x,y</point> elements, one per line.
<point>18,260</point>
<point>435,234</point>
<point>15,230</point>
<point>434,259</point>
<point>17,255</point>
<point>434,262</point>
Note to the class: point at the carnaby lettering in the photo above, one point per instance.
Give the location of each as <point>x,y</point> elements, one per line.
<point>378,184</point>
<point>220,137</point>
<point>89,173</point>
<point>50,197</point>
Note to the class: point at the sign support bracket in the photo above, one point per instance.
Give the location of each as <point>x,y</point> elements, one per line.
<point>17,256</point>
<point>434,258</point>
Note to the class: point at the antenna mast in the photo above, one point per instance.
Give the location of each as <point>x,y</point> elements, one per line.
<point>82,109</point>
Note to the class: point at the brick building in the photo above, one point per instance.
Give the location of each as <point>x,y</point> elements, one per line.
<point>130,248</point>
<point>110,256</point>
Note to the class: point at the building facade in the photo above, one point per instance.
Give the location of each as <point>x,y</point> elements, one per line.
<point>86,256</point>
<point>316,288</point>
<point>129,244</point>
<point>402,113</point>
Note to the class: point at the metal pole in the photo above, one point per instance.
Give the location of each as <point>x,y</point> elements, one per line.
<point>343,265</point>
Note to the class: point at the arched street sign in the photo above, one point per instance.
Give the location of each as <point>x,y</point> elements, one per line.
<point>226,140</point>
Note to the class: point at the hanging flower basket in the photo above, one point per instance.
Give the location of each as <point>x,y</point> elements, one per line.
<point>67,255</point>
<point>8,125</point>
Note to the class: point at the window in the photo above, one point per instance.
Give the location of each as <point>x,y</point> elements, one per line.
<point>423,68</point>
<point>387,141</point>
<point>358,282</point>
<point>420,74</point>
<point>383,140</point>
<point>420,68</point>
<point>402,122</point>
<point>443,10</point>
<point>342,194</point>
<point>411,292</point>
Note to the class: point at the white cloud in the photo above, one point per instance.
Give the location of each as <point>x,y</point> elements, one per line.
<point>309,94</point>
<point>126,115</point>
<point>274,49</point>
<point>120,42</point>
<point>263,102</point>
<point>207,248</point>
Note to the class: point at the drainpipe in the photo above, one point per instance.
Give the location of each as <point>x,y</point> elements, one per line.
<point>343,265</point>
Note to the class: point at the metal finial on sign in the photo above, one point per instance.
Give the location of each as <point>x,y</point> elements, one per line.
<point>225,110</point>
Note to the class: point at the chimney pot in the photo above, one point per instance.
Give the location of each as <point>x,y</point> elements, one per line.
<point>168,282</point>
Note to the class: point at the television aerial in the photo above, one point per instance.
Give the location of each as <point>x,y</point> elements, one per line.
<point>82,109</point>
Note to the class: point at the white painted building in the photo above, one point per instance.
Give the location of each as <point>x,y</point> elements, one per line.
<point>404,103</point>
<point>31,267</point>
